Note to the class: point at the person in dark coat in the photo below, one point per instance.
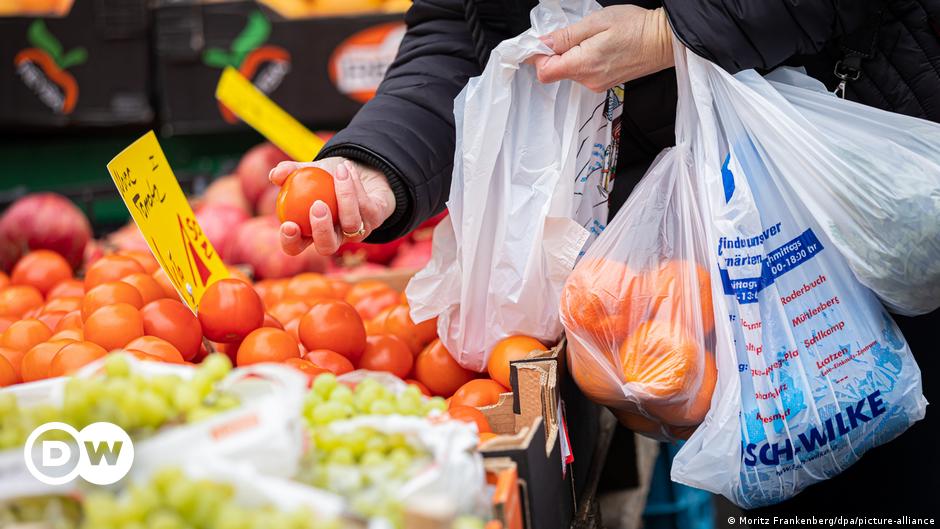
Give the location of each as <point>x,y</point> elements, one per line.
<point>392,165</point>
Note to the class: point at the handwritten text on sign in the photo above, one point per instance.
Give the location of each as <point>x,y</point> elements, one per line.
<point>154,198</point>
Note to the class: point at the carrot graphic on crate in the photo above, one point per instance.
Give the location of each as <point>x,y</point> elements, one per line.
<point>264,65</point>
<point>44,66</point>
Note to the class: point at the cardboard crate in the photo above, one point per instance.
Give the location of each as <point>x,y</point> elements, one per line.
<point>530,426</point>
<point>88,68</point>
<point>319,69</point>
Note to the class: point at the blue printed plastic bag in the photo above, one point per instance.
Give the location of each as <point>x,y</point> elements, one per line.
<point>812,371</point>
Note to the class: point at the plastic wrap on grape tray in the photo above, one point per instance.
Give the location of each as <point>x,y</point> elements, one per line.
<point>264,432</point>
<point>637,309</point>
<point>869,177</point>
<point>812,370</point>
<point>531,175</point>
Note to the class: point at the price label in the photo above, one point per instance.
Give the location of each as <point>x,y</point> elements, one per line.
<point>155,200</point>
<point>262,114</point>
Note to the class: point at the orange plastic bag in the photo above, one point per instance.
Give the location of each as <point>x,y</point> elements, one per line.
<point>637,309</point>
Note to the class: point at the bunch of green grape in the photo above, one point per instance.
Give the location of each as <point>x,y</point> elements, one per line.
<point>171,500</point>
<point>330,401</point>
<point>136,403</point>
<point>48,512</point>
<point>365,466</point>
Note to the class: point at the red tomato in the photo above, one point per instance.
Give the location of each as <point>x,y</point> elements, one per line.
<point>336,326</point>
<point>229,310</point>
<point>42,269</point>
<point>108,294</point>
<point>36,361</point>
<point>301,189</point>
<point>8,375</point>
<point>144,259</point>
<point>271,321</point>
<point>370,306</point>
<point>6,322</point>
<point>508,350</point>
<point>478,393</point>
<point>424,389</point>
<point>70,288</point>
<point>51,319</point>
<point>114,326</point>
<point>398,322</point>
<point>470,415</point>
<point>170,320</point>
<point>148,287</point>
<point>288,310</point>
<point>266,345</point>
<point>305,367</point>
<point>437,369</point>
<point>15,301</point>
<point>72,320</point>
<point>386,352</point>
<point>156,347</point>
<point>66,304</point>
<point>24,334</point>
<point>330,360</point>
<point>364,289</point>
<point>110,268</point>
<point>309,286</point>
<point>163,280</point>
<point>74,356</point>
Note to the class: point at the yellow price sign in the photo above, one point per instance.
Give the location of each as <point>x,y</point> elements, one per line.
<point>152,194</point>
<point>262,114</point>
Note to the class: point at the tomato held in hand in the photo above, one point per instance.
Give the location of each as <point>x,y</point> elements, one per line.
<point>330,360</point>
<point>439,372</point>
<point>387,352</point>
<point>336,326</point>
<point>301,189</point>
<point>266,345</point>
<point>170,320</point>
<point>229,310</point>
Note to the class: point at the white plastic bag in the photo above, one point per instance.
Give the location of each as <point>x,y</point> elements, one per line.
<point>812,371</point>
<point>869,177</point>
<point>638,311</point>
<point>531,175</point>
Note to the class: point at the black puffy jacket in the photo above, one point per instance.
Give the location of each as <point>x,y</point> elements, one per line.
<point>407,130</point>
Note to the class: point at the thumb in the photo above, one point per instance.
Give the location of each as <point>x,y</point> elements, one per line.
<point>562,40</point>
<point>550,69</point>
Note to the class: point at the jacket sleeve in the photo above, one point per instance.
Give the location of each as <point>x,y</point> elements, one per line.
<point>763,34</point>
<point>407,129</point>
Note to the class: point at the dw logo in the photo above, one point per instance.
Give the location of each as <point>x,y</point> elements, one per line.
<point>101,453</point>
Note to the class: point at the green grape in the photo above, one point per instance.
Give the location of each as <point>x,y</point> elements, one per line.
<point>324,384</point>
<point>468,522</point>
<point>138,404</point>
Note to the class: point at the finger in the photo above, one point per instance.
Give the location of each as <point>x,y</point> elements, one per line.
<point>292,242</point>
<point>324,233</point>
<point>562,40</point>
<point>281,171</point>
<point>571,65</point>
<point>347,200</point>
<point>369,210</point>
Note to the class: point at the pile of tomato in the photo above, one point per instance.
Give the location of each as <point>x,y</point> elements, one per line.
<point>53,323</point>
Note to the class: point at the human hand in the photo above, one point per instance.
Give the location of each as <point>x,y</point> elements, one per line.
<point>608,47</point>
<point>363,199</point>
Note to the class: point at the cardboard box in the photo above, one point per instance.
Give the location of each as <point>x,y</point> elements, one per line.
<point>88,68</point>
<point>502,473</point>
<point>319,69</point>
<point>531,434</point>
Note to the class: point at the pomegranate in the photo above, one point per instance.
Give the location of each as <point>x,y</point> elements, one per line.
<point>413,256</point>
<point>227,190</point>
<point>254,167</point>
<point>373,253</point>
<point>220,223</point>
<point>43,221</point>
<point>257,243</point>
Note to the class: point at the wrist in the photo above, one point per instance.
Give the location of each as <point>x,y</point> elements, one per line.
<point>662,39</point>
